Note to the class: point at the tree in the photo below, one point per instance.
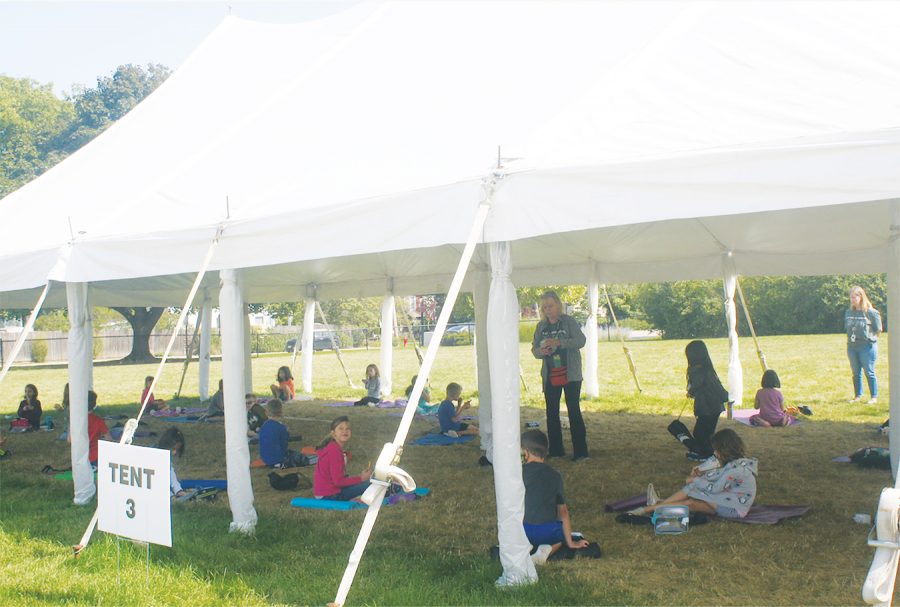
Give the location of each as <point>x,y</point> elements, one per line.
<point>113,97</point>
<point>142,321</point>
<point>34,125</point>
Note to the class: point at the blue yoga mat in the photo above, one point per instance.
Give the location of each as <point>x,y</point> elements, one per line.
<point>440,439</point>
<point>196,483</point>
<point>316,504</point>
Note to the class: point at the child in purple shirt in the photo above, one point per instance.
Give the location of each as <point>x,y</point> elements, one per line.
<point>770,403</point>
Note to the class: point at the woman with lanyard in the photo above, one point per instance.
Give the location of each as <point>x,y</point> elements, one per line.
<point>557,342</point>
<point>863,324</point>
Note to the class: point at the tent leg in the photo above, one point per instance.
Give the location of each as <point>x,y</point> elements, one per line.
<point>503,353</point>
<point>735,372</point>
<point>237,453</point>
<point>248,350</point>
<point>387,343</point>
<point>482,363</point>
<point>205,341</point>
<point>306,354</point>
<point>80,356</point>
<point>892,315</point>
<point>591,382</point>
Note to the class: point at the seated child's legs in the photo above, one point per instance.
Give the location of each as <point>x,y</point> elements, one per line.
<point>726,512</point>
<point>465,428</point>
<point>545,533</point>
<point>276,390</point>
<point>756,420</point>
<point>353,491</point>
<point>293,459</point>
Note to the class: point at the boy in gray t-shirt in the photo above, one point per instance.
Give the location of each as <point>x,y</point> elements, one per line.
<point>546,522</point>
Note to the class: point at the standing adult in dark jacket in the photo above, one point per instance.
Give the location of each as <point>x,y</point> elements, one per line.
<point>557,342</point>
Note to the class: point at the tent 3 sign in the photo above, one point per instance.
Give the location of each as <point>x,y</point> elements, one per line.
<point>133,492</point>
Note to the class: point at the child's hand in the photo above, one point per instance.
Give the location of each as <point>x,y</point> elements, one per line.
<point>367,473</point>
<point>582,543</point>
<point>467,404</point>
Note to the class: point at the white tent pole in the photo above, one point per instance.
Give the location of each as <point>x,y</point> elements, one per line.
<point>480,294</point>
<point>878,589</point>
<point>503,352</point>
<point>79,352</point>
<point>735,372</point>
<point>248,350</point>
<point>387,342</point>
<point>591,381</point>
<point>392,451</point>
<point>205,342</point>
<point>237,454</point>
<point>335,346</point>
<point>306,355</point>
<point>26,330</point>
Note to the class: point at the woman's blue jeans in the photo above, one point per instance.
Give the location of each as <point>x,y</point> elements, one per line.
<point>862,358</point>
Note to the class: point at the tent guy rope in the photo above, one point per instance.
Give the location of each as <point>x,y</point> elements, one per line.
<point>132,424</point>
<point>334,344</point>
<point>29,324</point>
<point>386,469</point>
<point>625,348</point>
<point>759,352</point>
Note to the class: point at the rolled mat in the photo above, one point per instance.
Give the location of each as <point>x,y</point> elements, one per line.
<point>317,504</point>
<point>441,439</point>
<point>197,483</point>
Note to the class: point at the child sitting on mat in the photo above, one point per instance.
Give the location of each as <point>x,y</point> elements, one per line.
<point>284,389</point>
<point>330,480</point>
<point>152,403</point>
<point>547,524</point>
<point>256,415</point>
<point>727,491</point>
<point>273,440</point>
<point>216,406</point>
<point>97,429</point>
<point>373,388</point>
<point>173,440</point>
<point>449,414</point>
<point>422,406</point>
<point>770,403</point>
<point>30,407</point>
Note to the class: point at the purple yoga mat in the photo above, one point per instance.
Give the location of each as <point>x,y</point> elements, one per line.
<point>338,404</point>
<point>391,404</point>
<point>758,515</point>
<point>629,503</point>
<point>742,416</point>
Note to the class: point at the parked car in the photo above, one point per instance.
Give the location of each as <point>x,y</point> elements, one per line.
<point>457,335</point>
<point>321,341</point>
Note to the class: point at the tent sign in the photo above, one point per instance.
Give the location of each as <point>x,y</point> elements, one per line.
<point>133,492</point>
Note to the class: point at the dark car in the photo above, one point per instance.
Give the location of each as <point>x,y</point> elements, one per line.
<point>321,341</point>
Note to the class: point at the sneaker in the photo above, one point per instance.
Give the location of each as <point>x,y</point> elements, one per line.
<point>484,461</point>
<point>805,410</point>
<point>372,405</point>
<point>541,554</point>
<point>695,457</point>
<point>872,401</point>
<point>652,496</point>
<point>580,458</point>
<point>855,400</point>
<point>709,463</point>
<point>451,433</point>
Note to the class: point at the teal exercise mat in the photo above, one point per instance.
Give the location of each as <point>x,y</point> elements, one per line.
<point>317,504</point>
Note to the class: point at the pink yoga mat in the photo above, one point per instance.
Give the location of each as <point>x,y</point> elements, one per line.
<point>742,416</point>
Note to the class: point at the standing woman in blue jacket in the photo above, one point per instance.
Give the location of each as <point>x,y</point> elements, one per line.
<point>863,324</point>
<point>557,342</point>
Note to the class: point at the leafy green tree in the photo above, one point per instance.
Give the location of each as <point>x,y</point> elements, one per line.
<point>34,125</point>
<point>114,96</point>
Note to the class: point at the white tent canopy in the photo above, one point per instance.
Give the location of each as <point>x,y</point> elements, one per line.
<point>637,142</point>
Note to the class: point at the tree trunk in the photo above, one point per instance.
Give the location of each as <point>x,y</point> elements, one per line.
<point>142,321</point>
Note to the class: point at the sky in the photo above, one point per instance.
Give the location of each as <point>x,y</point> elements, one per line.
<point>70,43</point>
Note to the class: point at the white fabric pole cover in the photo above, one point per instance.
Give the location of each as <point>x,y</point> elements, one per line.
<point>237,453</point>
<point>387,344</point>
<point>248,350</point>
<point>306,355</point>
<point>503,353</point>
<point>205,321</point>
<point>892,314</point>
<point>482,364</point>
<point>735,372</point>
<point>79,350</point>
<point>591,382</point>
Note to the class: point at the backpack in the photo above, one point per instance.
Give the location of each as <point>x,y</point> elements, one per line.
<point>872,457</point>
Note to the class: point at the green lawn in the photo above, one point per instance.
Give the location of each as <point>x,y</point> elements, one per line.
<point>435,551</point>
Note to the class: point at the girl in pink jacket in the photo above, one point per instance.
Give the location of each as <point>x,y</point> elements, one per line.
<point>330,480</point>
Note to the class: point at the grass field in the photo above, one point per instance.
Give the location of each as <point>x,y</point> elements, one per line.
<point>434,552</point>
